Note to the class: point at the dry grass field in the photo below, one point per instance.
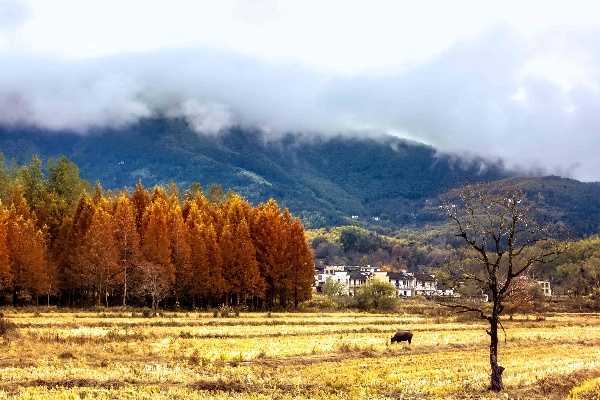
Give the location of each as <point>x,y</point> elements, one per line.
<point>112,355</point>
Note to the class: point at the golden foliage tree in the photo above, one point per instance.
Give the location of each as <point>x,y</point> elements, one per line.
<point>271,246</point>
<point>5,271</point>
<point>217,285</point>
<point>158,273</point>
<point>27,249</point>
<point>127,240</point>
<point>199,282</point>
<point>99,254</point>
<point>140,199</point>
<point>300,264</point>
<point>73,270</point>
<point>58,237</point>
<point>240,268</point>
<point>180,248</point>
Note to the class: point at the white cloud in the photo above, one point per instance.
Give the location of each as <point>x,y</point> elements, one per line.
<point>207,118</point>
<point>513,80</point>
<point>13,14</point>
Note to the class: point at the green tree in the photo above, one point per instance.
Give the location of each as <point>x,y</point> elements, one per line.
<point>376,295</point>
<point>333,288</point>
<point>33,181</point>
<point>64,179</point>
<point>6,178</point>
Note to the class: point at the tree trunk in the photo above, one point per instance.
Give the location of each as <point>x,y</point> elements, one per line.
<point>295,297</point>
<point>99,296</point>
<point>496,370</point>
<point>125,287</point>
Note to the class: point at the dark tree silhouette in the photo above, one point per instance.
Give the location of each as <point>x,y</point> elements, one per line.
<point>506,239</point>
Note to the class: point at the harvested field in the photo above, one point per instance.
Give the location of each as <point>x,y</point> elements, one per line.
<point>296,355</point>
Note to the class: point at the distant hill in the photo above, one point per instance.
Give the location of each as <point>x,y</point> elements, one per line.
<point>567,200</point>
<point>385,181</point>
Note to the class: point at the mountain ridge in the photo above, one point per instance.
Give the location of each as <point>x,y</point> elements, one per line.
<point>325,180</point>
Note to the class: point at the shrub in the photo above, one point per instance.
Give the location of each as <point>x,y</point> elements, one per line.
<point>261,354</point>
<point>148,313</point>
<point>333,288</point>
<point>66,355</point>
<point>196,358</point>
<point>320,302</point>
<point>376,295</point>
<point>467,317</point>
<point>227,312</point>
<point>7,328</point>
<point>345,348</point>
<point>595,298</point>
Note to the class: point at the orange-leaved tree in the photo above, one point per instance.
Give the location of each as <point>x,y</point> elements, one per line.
<point>300,263</point>
<point>99,253</point>
<point>198,282</point>
<point>180,248</point>
<point>5,271</point>
<point>127,240</point>
<point>157,271</point>
<point>270,246</point>
<point>27,250</point>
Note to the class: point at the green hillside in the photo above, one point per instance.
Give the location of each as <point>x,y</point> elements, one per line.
<point>386,183</point>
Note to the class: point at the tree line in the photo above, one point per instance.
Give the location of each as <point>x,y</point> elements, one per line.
<point>75,245</point>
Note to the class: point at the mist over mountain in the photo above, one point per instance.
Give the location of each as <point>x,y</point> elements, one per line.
<point>380,181</point>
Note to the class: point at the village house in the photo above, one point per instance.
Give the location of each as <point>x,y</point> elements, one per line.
<point>354,276</point>
<point>404,282</point>
<point>356,280</point>
<point>425,285</point>
<point>545,286</point>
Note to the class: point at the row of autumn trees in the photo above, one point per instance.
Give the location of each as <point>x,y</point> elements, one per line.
<point>77,246</point>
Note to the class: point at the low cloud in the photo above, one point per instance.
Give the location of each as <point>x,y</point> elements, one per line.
<point>532,102</point>
<point>204,118</point>
<point>13,14</point>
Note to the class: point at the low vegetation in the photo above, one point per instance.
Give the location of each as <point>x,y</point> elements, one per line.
<point>373,295</point>
<point>7,328</point>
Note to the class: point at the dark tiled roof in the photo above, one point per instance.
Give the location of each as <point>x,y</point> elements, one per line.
<point>355,275</point>
<point>398,276</point>
<point>424,277</point>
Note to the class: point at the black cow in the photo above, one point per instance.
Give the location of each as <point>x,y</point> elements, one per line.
<point>402,336</point>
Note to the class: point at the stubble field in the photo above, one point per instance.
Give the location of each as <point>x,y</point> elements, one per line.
<point>110,355</point>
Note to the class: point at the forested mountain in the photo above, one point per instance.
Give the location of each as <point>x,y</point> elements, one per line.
<point>326,180</point>
<point>382,181</point>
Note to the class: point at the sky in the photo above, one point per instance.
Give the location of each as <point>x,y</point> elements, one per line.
<point>514,80</point>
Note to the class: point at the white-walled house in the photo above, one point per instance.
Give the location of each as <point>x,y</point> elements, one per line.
<point>336,274</point>
<point>545,286</point>
<point>425,285</point>
<point>354,276</point>
<point>356,279</point>
<point>404,282</point>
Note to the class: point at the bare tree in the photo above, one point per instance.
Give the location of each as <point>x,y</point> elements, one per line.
<point>499,227</point>
<point>154,282</point>
<point>521,296</point>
